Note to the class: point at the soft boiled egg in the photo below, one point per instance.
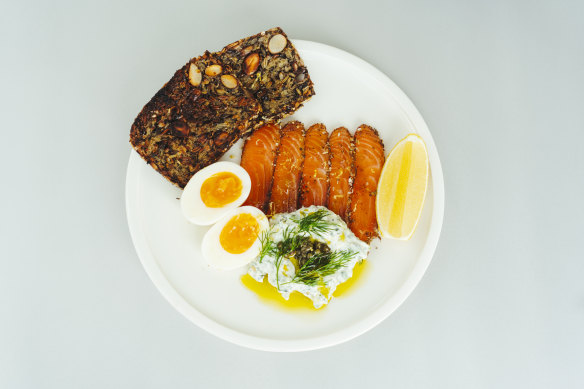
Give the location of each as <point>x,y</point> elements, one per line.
<point>234,241</point>
<point>214,191</point>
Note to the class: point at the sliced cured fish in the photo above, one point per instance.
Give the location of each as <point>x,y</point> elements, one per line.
<point>341,172</point>
<point>314,187</point>
<point>258,158</point>
<point>288,170</point>
<point>369,158</point>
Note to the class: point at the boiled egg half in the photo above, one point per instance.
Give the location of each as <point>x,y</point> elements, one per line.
<point>234,241</point>
<point>214,191</point>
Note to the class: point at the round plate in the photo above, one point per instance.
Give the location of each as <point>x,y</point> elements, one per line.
<point>349,92</point>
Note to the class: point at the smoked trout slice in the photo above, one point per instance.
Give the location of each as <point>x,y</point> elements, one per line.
<point>258,157</point>
<point>288,170</point>
<point>369,158</point>
<point>341,172</point>
<point>314,187</point>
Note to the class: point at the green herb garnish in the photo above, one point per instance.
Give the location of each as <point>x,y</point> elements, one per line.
<point>321,265</point>
<point>314,223</point>
<point>290,241</point>
<point>314,258</point>
<point>268,246</point>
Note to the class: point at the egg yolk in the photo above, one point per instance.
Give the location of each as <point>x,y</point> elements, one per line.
<point>221,189</point>
<point>239,234</point>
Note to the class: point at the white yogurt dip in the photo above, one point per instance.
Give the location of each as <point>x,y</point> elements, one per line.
<point>282,269</point>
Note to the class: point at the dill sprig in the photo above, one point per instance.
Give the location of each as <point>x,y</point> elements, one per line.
<point>314,223</point>
<point>321,265</point>
<point>289,243</point>
<point>267,246</point>
<point>277,264</point>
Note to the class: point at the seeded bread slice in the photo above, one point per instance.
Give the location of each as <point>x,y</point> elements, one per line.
<point>193,120</point>
<point>269,66</point>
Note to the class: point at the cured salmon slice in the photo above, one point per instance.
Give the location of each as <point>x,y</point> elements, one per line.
<point>314,187</point>
<point>257,158</point>
<point>288,170</point>
<point>341,172</point>
<point>369,158</point>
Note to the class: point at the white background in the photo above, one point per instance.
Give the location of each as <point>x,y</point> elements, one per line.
<point>501,87</point>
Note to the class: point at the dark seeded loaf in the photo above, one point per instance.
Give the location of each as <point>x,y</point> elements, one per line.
<point>216,99</point>
<point>193,120</point>
<point>269,66</point>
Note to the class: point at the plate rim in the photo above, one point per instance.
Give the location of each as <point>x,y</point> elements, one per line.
<point>352,331</point>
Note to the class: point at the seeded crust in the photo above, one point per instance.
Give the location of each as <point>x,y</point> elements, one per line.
<point>280,82</point>
<point>185,127</point>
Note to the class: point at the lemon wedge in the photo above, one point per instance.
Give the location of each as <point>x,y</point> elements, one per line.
<point>402,188</point>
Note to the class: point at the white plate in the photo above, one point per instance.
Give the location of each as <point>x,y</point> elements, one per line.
<point>349,92</point>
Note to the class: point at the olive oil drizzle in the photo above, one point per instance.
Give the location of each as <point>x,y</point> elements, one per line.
<point>297,301</point>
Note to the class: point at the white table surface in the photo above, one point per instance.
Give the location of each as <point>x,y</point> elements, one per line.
<point>501,86</point>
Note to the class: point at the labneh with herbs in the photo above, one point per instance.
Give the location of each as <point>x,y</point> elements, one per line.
<point>310,251</point>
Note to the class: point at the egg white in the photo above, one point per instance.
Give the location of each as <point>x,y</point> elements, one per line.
<point>193,207</point>
<point>215,254</point>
